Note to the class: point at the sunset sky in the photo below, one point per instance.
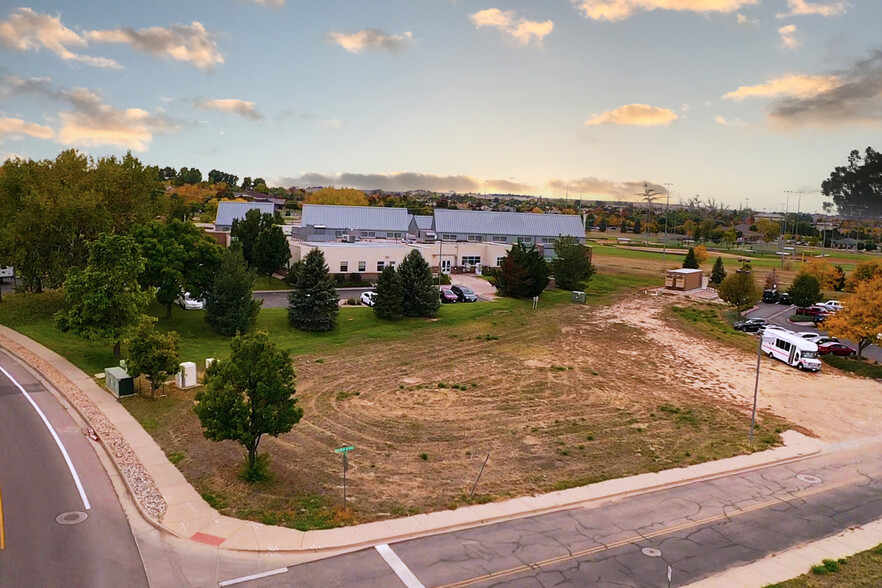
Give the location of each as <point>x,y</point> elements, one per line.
<point>736,100</point>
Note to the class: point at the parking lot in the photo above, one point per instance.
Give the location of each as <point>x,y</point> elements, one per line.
<point>777,314</point>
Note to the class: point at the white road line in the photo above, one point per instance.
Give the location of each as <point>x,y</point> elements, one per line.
<point>235,581</point>
<point>70,466</point>
<point>401,570</point>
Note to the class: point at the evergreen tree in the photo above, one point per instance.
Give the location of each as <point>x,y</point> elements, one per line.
<point>718,273</point>
<point>229,306</point>
<point>805,290</point>
<point>313,302</point>
<point>419,295</point>
<point>271,251</point>
<point>638,227</point>
<point>245,231</point>
<point>387,304</point>
<point>523,273</point>
<point>691,261</point>
<point>571,265</point>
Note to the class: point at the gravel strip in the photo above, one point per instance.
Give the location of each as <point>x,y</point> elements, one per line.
<point>127,462</point>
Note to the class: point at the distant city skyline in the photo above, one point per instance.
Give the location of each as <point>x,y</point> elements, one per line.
<point>735,100</point>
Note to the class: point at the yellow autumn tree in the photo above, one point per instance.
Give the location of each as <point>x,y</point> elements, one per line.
<point>770,230</point>
<point>700,253</point>
<point>861,316</point>
<point>863,272</point>
<point>341,197</point>
<point>826,274</point>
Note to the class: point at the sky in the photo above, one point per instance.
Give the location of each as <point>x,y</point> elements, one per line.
<point>742,102</point>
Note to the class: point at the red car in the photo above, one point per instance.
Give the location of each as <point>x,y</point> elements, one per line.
<point>812,311</point>
<point>835,349</point>
<point>447,295</point>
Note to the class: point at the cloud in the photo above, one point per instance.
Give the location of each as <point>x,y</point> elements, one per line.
<point>789,38</point>
<point>520,29</point>
<point>26,30</point>
<point>395,182</point>
<point>796,86</point>
<point>329,123</point>
<point>803,7</point>
<point>614,10</point>
<point>15,127</point>
<point>743,20</point>
<point>370,39</point>
<point>855,98</point>
<point>90,122</point>
<point>276,3</point>
<point>597,187</point>
<point>240,107</point>
<point>729,123</point>
<point>641,115</point>
<point>191,44</point>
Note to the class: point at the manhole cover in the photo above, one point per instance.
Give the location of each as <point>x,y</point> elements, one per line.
<point>651,552</point>
<point>809,479</point>
<point>71,518</point>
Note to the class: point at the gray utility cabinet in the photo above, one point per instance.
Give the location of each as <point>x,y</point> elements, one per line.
<point>119,382</point>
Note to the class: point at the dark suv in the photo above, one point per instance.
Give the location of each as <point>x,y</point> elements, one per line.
<point>464,294</point>
<point>784,298</point>
<point>751,325</point>
<point>771,296</point>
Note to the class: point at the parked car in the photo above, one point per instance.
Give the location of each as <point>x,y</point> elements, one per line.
<point>813,310</point>
<point>771,296</point>
<point>464,294</point>
<point>448,295</point>
<point>368,298</point>
<point>188,302</point>
<point>820,339</point>
<point>809,335</point>
<point>836,349</point>
<point>819,319</point>
<point>830,305</point>
<point>784,298</point>
<point>751,325</point>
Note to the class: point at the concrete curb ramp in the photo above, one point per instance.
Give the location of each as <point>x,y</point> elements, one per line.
<point>188,516</point>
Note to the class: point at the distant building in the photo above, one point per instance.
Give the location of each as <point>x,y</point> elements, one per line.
<point>321,222</point>
<point>227,212</point>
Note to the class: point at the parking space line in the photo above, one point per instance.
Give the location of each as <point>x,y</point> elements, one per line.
<point>235,581</point>
<point>398,566</point>
<point>70,466</point>
<point>2,532</point>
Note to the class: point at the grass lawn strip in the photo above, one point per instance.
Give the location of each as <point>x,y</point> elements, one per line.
<point>862,570</point>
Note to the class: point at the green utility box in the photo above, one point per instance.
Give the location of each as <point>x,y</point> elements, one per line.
<point>578,297</point>
<point>119,382</point>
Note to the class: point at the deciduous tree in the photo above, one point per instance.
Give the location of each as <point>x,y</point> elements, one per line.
<point>740,290</point>
<point>271,250</point>
<point>104,301</point>
<point>341,196</point>
<point>827,275</point>
<point>571,266</point>
<point>805,290</point>
<point>770,230</point>
<point>856,186</point>
<point>861,317</point>
<point>249,395</point>
<point>700,254</point>
<point>313,302</point>
<point>154,354</point>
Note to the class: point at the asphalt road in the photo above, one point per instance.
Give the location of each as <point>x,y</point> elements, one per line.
<point>698,530</point>
<point>49,536</point>
<point>778,315</point>
<point>279,299</point>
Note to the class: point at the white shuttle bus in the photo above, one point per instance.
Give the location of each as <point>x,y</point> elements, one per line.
<point>791,349</point>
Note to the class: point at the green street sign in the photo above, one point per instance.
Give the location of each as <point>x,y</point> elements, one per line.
<point>344,449</point>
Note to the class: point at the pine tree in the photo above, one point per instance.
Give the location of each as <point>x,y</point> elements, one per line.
<point>313,303</point>
<point>419,295</point>
<point>691,262</point>
<point>271,250</point>
<point>638,227</point>
<point>523,273</point>
<point>230,307</point>
<point>718,273</point>
<point>387,304</point>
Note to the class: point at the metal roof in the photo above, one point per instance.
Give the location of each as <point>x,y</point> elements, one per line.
<point>228,211</point>
<point>423,221</point>
<point>508,223</point>
<point>371,218</point>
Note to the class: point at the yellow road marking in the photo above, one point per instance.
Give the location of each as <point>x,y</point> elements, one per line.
<point>636,538</point>
<point>2,533</point>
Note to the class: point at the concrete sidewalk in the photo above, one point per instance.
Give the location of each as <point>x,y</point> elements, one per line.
<point>169,502</point>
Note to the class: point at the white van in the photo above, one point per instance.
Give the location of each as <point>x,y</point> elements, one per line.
<point>6,272</point>
<point>791,349</point>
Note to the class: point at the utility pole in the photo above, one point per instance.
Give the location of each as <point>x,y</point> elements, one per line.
<point>668,186</point>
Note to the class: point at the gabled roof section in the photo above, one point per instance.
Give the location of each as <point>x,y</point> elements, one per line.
<point>508,223</point>
<point>423,221</point>
<point>228,211</point>
<point>371,218</point>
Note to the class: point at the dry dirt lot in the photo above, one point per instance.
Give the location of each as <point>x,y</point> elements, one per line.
<point>561,396</point>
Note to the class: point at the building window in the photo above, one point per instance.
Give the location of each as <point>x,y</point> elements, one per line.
<point>476,238</point>
<point>499,261</point>
<point>391,264</point>
<point>525,240</point>
<point>448,237</point>
<point>369,234</point>
<point>547,240</point>
<point>380,265</point>
<point>394,235</point>
<point>362,265</point>
<point>500,239</point>
<point>344,267</point>
<point>471,259</point>
<point>338,234</point>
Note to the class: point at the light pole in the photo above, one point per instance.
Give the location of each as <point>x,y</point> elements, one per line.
<point>796,238</point>
<point>784,227</point>
<point>668,186</point>
<point>759,354</point>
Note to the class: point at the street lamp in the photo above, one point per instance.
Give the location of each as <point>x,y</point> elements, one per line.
<point>668,186</point>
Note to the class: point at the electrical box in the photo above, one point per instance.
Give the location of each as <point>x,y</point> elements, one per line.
<point>119,382</point>
<point>186,377</point>
<point>578,297</point>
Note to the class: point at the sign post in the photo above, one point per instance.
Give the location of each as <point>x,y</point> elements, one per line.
<point>344,451</point>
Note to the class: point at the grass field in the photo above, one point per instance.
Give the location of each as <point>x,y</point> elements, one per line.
<point>862,570</point>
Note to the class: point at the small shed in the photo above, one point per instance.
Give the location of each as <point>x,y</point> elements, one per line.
<point>683,279</point>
